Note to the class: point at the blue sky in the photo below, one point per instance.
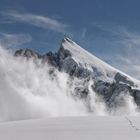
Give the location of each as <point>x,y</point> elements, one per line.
<point>110,29</point>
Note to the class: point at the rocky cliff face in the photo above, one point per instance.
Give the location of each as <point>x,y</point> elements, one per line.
<point>109,83</point>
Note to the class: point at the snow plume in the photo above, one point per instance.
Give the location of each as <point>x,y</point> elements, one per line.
<point>124,105</point>
<point>29,89</point>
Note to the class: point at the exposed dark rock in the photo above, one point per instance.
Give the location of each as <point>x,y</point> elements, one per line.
<point>122,78</point>
<point>28,53</point>
<point>50,58</point>
<point>63,53</point>
<point>19,52</point>
<point>136,95</point>
<point>81,92</point>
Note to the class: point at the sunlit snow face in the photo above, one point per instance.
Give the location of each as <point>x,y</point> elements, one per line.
<point>28,90</point>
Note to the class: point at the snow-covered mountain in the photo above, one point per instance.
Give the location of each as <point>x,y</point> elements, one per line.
<point>92,75</point>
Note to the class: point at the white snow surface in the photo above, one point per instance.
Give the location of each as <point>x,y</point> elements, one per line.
<point>73,128</point>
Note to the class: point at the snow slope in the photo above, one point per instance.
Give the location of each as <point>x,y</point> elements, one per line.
<point>85,58</point>
<point>91,62</point>
<point>73,128</point>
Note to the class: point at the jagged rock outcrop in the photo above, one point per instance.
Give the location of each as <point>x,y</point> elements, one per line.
<point>122,78</point>
<point>107,81</point>
<point>28,53</point>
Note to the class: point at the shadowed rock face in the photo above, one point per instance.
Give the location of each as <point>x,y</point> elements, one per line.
<point>109,91</point>
<point>27,53</point>
<point>62,60</point>
<point>121,78</point>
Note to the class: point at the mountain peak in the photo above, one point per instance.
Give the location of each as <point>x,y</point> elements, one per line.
<point>67,39</point>
<point>85,58</point>
<point>69,44</point>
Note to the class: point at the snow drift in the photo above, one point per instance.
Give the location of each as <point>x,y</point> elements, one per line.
<point>32,87</point>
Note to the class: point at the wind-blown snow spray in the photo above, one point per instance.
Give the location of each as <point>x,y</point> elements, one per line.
<point>28,90</point>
